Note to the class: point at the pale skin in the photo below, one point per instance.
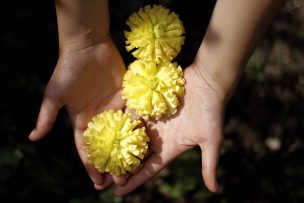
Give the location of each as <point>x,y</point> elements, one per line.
<point>88,75</point>
<point>86,83</point>
<point>232,34</point>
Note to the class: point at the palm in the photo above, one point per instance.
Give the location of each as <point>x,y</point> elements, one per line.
<point>86,82</point>
<point>199,122</point>
<point>89,82</point>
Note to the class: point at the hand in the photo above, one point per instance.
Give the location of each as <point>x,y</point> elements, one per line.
<point>198,122</point>
<point>87,80</point>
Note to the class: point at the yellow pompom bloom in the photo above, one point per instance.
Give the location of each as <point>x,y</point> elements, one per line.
<point>156,34</point>
<point>112,143</point>
<point>153,89</point>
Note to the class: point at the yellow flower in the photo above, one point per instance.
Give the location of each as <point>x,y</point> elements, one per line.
<point>112,143</point>
<point>153,89</point>
<point>156,34</point>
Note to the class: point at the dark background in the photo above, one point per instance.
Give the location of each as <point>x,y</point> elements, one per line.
<point>262,154</point>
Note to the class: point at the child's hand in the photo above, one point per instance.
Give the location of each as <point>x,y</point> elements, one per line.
<point>86,81</point>
<point>198,122</point>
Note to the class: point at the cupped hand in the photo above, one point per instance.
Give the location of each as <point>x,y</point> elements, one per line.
<point>86,81</point>
<point>199,122</point>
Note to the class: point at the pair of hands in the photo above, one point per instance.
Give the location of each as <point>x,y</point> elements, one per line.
<point>88,81</point>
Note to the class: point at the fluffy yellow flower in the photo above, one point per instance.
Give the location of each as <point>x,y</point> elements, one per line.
<point>156,34</point>
<point>112,143</point>
<point>153,89</point>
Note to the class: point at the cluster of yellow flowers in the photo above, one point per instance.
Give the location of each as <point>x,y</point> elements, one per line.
<point>151,87</point>
<point>153,83</point>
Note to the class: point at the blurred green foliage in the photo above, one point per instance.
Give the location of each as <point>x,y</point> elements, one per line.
<point>262,154</point>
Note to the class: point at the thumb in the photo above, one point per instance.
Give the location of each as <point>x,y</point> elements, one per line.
<point>47,116</point>
<point>210,157</point>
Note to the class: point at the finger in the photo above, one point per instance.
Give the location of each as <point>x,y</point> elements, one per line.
<point>108,180</point>
<point>210,157</point>
<point>96,177</point>
<point>46,118</point>
<point>119,180</point>
<point>152,167</point>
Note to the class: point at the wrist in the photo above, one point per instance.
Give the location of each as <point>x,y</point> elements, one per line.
<point>83,42</point>
<point>230,39</point>
<point>83,49</point>
<point>223,78</point>
<point>82,23</point>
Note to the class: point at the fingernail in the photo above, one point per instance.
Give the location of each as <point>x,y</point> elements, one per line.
<point>99,187</point>
<point>32,134</point>
<point>99,181</point>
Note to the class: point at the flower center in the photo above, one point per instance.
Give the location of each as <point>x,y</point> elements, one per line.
<point>116,141</point>
<point>159,30</point>
<point>153,83</point>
